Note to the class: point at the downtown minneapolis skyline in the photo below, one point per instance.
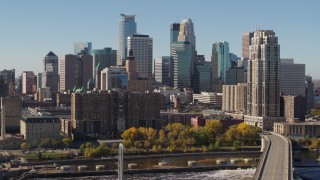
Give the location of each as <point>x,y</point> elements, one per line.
<point>30,29</point>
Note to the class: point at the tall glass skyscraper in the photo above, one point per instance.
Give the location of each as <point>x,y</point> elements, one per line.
<point>182,60</point>
<point>127,27</point>
<point>220,60</point>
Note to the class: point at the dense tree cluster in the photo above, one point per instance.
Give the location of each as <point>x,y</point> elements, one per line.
<point>177,137</point>
<point>90,150</point>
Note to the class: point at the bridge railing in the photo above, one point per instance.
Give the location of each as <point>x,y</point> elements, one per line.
<point>262,161</point>
<point>290,169</point>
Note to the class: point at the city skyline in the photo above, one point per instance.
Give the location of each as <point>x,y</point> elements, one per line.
<point>30,32</point>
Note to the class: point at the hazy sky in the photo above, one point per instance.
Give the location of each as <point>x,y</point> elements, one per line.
<point>29,29</point>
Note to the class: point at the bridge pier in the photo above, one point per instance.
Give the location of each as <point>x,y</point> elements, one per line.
<point>263,144</point>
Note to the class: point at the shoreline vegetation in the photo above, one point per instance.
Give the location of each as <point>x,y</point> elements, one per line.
<point>177,138</point>
<point>174,138</point>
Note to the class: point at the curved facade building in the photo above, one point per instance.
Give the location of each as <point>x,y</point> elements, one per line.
<point>127,27</point>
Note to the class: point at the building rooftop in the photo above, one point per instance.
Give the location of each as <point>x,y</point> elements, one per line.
<point>51,54</point>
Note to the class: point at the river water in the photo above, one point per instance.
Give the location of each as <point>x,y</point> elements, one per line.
<point>300,159</point>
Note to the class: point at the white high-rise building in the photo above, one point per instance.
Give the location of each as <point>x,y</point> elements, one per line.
<point>127,27</point>
<point>142,47</point>
<point>263,80</point>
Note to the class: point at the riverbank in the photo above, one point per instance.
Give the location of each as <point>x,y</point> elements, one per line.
<point>113,158</point>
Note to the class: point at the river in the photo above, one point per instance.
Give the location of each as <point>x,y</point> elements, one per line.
<point>303,158</point>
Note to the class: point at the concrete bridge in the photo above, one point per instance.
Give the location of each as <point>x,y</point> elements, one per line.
<point>276,159</point>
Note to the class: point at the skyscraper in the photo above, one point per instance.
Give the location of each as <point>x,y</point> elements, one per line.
<point>174,33</point>
<point>263,79</point>
<point>182,57</point>
<point>136,84</point>
<point>50,76</point>
<point>142,47</point>
<point>8,78</point>
<point>114,78</point>
<point>292,78</point>
<point>186,32</point>
<point>75,71</point>
<point>220,63</point>
<point>127,27</point>
<point>28,82</point>
<point>102,58</point>
<point>246,42</point>
<point>309,93</point>
<point>183,54</point>
<point>162,70</point>
<point>82,48</point>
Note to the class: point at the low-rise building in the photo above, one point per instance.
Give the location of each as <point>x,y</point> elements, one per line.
<point>297,129</point>
<point>35,128</point>
<point>214,99</point>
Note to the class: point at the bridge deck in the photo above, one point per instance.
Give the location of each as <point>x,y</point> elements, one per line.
<point>277,162</point>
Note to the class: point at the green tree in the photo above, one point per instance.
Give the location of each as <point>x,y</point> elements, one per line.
<point>45,143</point>
<point>315,143</point>
<point>67,141</point>
<point>25,146</point>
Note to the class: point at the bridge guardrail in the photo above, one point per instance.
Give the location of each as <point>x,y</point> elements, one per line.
<point>261,163</point>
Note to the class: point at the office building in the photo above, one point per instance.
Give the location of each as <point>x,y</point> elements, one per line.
<point>292,78</point>
<point>234,98</point>
<point>142,47</point>
<point>162,70</point>
<point>220,60</point>
<point>28,82</point>
<point>182,57</point>
<point>136,83</point>
<point>309,93</point>
<point>297,129</point>
<point>235,75</point>
<point>2,87</point>
<point>13,106</point>
<point>109,113</point>
<point>263,106</point>
<point>92,114</point>
<point>246,43</point>
<point>75,71</point>
<point>7,81</point>
<point>174,33</point>
<point>82,48</point>
<point>202,80</point>
<point>43,94</point>
<point>35,128</point>
<point>213,99</point>
<point>102,58</point>
<point>294,108</point>
<point>114,78</point>
<point>127,27</point>
<point>50,76</point>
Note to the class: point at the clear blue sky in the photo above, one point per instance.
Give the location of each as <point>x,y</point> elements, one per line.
<point>29,29</point>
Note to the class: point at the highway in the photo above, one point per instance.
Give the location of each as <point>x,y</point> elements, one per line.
<point>278,161</point>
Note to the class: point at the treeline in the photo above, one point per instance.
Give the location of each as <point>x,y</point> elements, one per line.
<point>177,137</point>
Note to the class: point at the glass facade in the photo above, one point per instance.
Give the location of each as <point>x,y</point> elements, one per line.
<point>127,27</point>
<point>203,77</point>
<point>220,60</point>
<point>182,54</point>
